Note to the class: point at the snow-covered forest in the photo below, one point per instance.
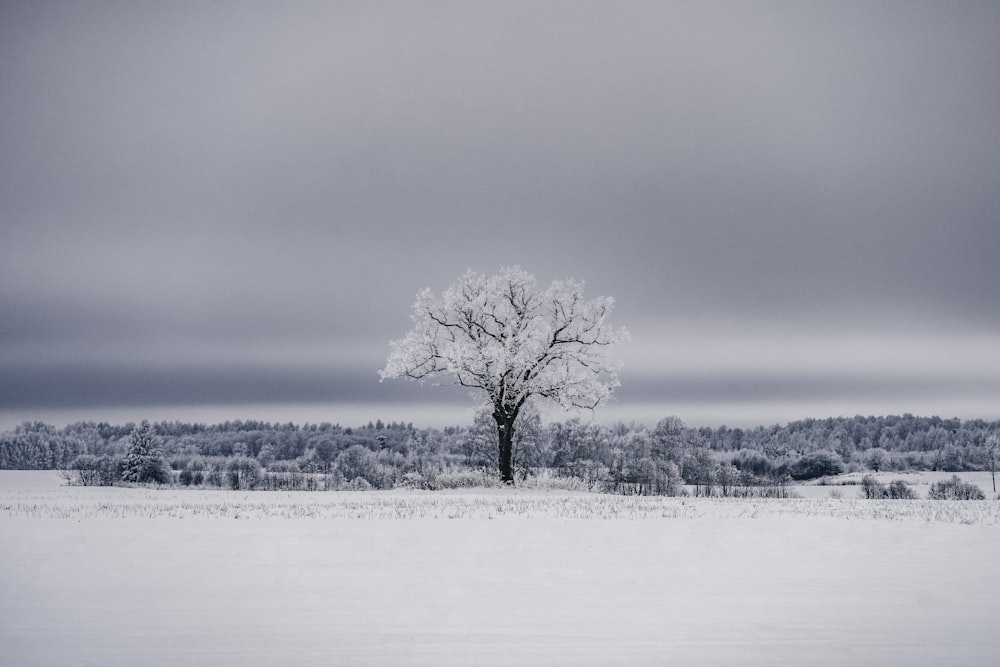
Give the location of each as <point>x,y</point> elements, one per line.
<point>627,458</point>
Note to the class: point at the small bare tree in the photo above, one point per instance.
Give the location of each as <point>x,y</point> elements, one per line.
<point>505,337</point>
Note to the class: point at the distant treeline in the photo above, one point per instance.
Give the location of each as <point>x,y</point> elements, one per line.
<point>619,457</point>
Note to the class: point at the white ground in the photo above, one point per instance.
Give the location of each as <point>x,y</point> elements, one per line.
<point>848,484</point>
<point>133,576</point>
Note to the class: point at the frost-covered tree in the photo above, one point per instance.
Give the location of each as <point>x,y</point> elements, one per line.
<point>669,439</point>
<point>143,461</point>
<point>877,458</point>
<point>507,338</point>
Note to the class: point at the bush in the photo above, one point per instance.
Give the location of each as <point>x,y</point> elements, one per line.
<point>898,490</point>
<point>872,489</point>
<point>817,464</point>
<point>88,470</point>
<point>461,478</point>
<point>955,489</point>
<point>417,480</point>
<point>547,480</point>
<point>454,479</point>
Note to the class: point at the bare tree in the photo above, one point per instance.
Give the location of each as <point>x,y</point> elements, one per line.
<point>504,336</point>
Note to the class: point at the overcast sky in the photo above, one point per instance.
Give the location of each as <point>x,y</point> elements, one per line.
<point>224,210</point>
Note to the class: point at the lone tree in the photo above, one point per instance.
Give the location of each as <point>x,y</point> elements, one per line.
<point>513,341</point>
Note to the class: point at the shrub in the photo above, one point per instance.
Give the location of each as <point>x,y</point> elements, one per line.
<point>547,480</point>
<point>86,470</point>
<point>955,489</point>
<point>817,464</point>
<point>89,470</point>
<point>898,490</point>
<point>416,480</point>
<point>872,489</point>
<point>463,479</point>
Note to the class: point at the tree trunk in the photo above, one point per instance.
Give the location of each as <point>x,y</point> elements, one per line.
<point>505,440</point>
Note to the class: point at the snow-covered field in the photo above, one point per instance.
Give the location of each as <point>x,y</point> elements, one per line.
<point>93,576</point>
<point>848,485</point>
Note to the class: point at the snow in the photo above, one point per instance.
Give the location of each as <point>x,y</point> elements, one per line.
<point>178,579</point>
<point>849,484</point>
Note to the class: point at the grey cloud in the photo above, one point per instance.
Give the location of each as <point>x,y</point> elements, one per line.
<point>98,386</point>
<point>182,174</point>
<point>764,388</point>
